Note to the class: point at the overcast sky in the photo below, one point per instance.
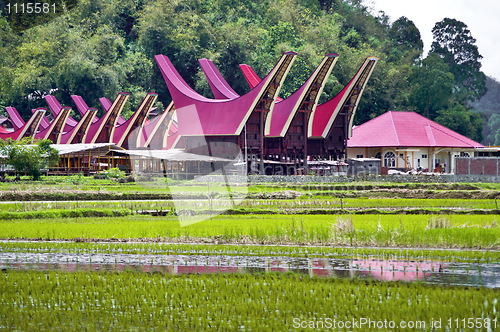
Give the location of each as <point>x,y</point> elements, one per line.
<point>482,17</point>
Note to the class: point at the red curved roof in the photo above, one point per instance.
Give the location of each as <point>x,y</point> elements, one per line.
<point>106,104</point>
<point>55,107</point>
<point>198,115</point>
<point>28,129</point>
<point>219,86</point>
<point>323,116</point>
<point>15,118</point>
<point>406,129</point>
<point>56,128</point>
<point>304,98</point>
<point>123,131</point>
<point>102,131</point>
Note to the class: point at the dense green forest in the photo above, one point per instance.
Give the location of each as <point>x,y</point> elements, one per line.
<point>97,48</point>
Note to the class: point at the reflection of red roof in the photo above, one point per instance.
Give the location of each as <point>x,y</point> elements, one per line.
<point>396,270</point>
<point>403,129</point>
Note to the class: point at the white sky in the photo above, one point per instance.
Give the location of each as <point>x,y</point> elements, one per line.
<point>482,17</point>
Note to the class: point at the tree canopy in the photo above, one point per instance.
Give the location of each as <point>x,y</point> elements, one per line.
<point>454,43</point>
<point>98,48</point>
<point>29,159</point>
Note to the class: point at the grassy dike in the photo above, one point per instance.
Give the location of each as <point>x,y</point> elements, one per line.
<point>214,250</point>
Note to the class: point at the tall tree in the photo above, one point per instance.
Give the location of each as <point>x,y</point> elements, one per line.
<point>405,41</point>
<point>453,41</point>
<point>432,86</point>
<point>462,120</point>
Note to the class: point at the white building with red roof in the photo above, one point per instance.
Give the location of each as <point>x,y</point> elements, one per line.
<point>408,140</point>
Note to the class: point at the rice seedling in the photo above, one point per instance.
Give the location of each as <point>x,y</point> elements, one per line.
<point>157,248</point>
<point>371,230</point>
<point>352,203</point>
<point>145,301</point>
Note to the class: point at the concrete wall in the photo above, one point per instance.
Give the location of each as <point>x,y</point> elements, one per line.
<point>442,178</point>
<point>363,167</point>
<point>478,166</point>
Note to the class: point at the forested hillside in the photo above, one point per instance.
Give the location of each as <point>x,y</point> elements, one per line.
<point>489,107</point>
<point>98,48</point>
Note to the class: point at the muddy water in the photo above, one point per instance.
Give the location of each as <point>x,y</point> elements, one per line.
<point>466,274</point>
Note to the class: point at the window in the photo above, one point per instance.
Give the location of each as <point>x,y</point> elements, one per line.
<point>424,156</point>
<point>390,159</point>
<point>378,155</point>
<point>359,156</point>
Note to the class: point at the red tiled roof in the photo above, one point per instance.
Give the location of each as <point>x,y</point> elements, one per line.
<point>403,129</point>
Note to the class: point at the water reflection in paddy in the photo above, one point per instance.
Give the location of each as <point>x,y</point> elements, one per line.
<point>468,274</point>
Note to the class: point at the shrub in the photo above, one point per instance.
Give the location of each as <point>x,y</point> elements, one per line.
<point>126,179</point>
<point>75,179</point>
<point>114,173</point>
<point>27,158</point>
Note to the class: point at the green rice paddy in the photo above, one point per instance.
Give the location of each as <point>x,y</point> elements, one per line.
<point>354,221</point>
<point>143,301</point>
<point>455,231</point>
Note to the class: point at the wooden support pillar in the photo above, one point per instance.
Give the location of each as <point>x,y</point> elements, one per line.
<point>98,159</point>
<point>304,132</point>
<point>262,132</point>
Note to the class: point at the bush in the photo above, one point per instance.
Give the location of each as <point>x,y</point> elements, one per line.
<point>75,179</point>
<point>27,158</point>
<point>126,179</point>
<point>114,173</point>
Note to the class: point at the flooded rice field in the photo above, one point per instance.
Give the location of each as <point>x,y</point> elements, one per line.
<point>434,272</point>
